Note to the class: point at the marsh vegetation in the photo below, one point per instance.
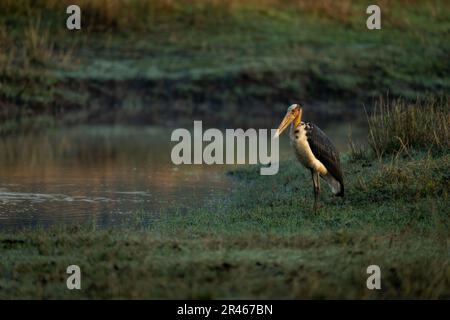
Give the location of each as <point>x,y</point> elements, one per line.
<point>232,64</point>
<point>263,241</point>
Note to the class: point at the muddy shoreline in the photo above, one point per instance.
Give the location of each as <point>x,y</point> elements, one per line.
<point>244,101</point>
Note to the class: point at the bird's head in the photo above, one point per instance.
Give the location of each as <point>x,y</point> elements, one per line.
<point>294,113</point>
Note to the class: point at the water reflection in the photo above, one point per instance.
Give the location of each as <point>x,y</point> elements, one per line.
<point>108,173</point>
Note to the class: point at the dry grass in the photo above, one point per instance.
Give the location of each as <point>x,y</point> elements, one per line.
<point>36,23</point>
<point>396,127</point>
<point>33,46</point>
<point>37,43</point>
<point>145,14</point>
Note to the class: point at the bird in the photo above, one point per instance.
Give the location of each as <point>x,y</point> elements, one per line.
<point>315,151</point>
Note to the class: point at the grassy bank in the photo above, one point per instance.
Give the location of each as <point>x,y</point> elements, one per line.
<point>264,241</point>
<point>212,59</point>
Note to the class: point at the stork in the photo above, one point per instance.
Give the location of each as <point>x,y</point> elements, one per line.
<point>314,150</point>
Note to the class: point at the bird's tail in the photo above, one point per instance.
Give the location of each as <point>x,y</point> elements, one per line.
<point>337,187</point>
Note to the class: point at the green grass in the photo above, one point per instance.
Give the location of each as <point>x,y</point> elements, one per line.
<point>397,127</point>
<point>209,56</point>
<point>262,242</point>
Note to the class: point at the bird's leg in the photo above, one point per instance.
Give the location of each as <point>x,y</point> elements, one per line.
<point>316,182</point>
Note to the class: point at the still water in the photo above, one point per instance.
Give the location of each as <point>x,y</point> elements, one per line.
<point>104,174</point>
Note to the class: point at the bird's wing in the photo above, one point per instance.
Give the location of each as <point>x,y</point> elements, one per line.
<point>325,151</point>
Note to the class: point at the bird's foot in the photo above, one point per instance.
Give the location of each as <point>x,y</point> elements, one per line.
<point>316,207</point>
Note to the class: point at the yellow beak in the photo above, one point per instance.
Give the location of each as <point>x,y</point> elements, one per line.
<point>288,118</point>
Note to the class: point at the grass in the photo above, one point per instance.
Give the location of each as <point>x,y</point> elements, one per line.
<point>263,241</point>
<point>397,127</point>
<point>270,246</point>
<point>211,58</point>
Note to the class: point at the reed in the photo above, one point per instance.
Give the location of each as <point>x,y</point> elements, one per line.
<point>397,126</point>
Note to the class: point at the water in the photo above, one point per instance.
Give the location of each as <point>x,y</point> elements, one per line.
<point>105,174</point>
<point>102,173</point>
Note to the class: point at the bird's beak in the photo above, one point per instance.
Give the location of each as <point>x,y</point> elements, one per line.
<point>288,118</point>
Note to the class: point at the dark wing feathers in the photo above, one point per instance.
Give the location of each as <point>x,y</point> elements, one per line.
<point>325,151</point>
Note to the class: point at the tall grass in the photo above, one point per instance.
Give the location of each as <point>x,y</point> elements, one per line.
<point>37,44</point>
<point>146,14</point>
<point>397,126</point>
